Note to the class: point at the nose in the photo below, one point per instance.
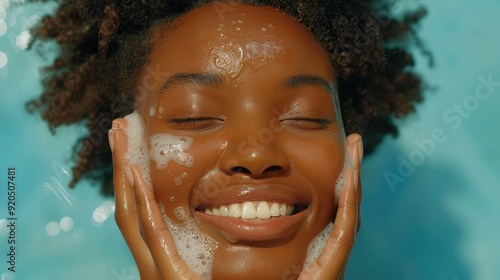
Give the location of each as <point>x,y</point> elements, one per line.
<point>255,156</point>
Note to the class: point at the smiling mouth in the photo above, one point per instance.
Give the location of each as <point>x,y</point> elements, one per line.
<point>254,210</point>
<point>255,214</point>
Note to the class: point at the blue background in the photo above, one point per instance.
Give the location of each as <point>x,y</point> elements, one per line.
<point>439,220</point>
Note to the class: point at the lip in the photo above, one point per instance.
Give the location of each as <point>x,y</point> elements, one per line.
<point>277,229</point>
<point>241,230</point>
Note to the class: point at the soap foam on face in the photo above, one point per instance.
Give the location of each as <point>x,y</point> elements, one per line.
<point>167,147</point>
<point>195,248</point>
<point>348,163</point>
<point>317,245</point>
<point>137,152</point>
<point>232,56</point>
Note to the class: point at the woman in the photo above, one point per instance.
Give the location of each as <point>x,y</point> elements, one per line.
<point>235,152</point>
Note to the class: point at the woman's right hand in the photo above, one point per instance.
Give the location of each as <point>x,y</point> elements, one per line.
<point>139,219</point>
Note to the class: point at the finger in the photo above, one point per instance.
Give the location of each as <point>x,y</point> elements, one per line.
<point>125,202</point>
<point>331,262</point>
<point>355,146</point>
<point>124,197</point>
<point>155,231</point>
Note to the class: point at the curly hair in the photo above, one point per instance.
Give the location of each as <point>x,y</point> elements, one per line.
<point>105,44</point>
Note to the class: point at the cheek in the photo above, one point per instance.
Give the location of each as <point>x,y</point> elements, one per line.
<point>177,166</point>
<point>320,163</point>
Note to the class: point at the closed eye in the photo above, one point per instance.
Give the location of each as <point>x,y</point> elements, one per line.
<point>196,123</point>
<point>307,123</point>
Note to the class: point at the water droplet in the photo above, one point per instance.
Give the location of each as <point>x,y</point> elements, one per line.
<point>162,153</point>
<point>178,181</point>
<point>172,198</point>
<point>201,256</point>
<point>183,140</point>
<point>184,175</point>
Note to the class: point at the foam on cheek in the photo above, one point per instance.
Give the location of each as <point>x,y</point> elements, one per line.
<point>192,244</point>
<point>195,248</point>
<point>137,152</point>
<point>317,245</point>
<point>348,163</point>
<point>167,147</point>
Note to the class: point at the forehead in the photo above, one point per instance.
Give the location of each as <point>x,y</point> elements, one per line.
<point>209,36</point>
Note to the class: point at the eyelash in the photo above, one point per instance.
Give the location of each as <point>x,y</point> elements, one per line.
<point>307,123</point>
<point>195,123</point>
<point>204,123</point>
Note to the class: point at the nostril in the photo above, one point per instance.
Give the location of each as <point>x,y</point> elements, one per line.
<point>273,169</point>
<point>240,169</point>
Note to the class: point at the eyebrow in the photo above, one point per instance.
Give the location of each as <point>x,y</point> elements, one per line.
<point>305,80</point>
<point>214,80</point>
<point>193,79</point>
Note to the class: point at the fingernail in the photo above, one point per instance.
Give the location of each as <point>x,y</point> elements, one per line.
<point>111,139</point>
<point>116,125</point>
<point>129,175</point>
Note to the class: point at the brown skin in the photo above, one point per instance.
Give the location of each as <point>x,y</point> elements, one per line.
<point>303,156</point>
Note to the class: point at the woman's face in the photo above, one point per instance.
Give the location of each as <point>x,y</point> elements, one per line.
<point>243,137</point>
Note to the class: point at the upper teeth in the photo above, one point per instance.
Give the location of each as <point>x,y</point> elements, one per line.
<point>252,210</point>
